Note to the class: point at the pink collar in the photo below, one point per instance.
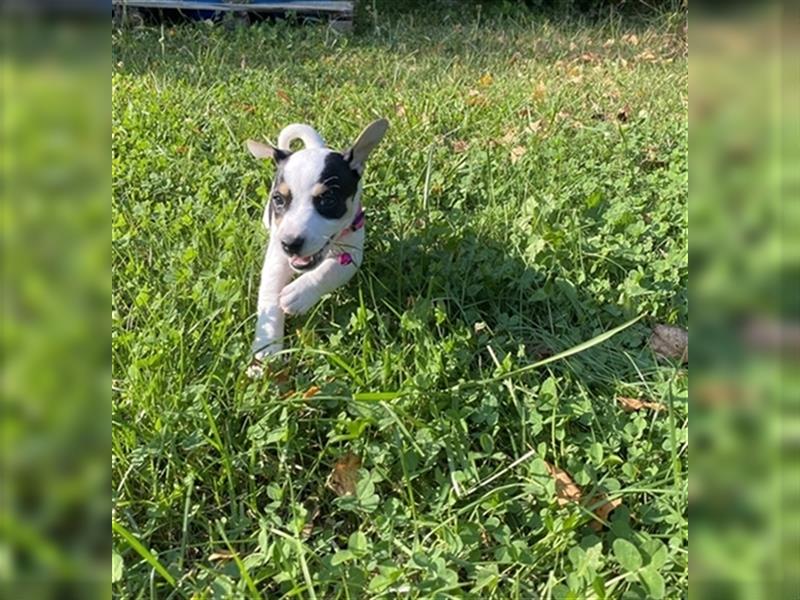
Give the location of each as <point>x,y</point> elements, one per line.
<point>345,258</point>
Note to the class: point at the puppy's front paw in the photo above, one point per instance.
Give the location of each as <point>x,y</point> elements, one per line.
<point>256,368</point>
<point>297,298</point>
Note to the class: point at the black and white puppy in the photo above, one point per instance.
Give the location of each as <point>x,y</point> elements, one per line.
<point>315,221</point>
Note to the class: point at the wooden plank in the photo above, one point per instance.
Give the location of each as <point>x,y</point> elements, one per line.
<point>336,6</point>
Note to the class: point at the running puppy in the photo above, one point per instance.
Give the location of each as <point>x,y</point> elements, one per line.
<point>316,226</point>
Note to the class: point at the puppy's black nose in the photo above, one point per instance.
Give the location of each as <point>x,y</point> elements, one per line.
<point>293,246</point>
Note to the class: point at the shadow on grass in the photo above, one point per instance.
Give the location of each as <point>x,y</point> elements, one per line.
<point>477,283</point>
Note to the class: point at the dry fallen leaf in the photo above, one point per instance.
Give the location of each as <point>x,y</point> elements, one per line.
<point>400,110</point>
<point>631,38</point>
<point>281,376</point>
<point>313,513</point>
<point>517,152</point>
<point>632,404</point>
<point>460,146</point>
<point>534,127</point>
<point>603,511</point>
<point>611,92</point>
<point>282,95</point>
<point>609,42</point>
<point>485,538</point>
<point>651,159</point>
<point>670,342</point>
<point>539,92</point>
<point>221,555</point>
<point>311,392</point>
<point>509,137</point>
<point>344,476</point>
<point>308,529</point>
<point>524,113</point>
<point>486,80</point>
<point>475,98</point>
<point>606,508</point>
<point>540,352</point>
<point>566,489</point>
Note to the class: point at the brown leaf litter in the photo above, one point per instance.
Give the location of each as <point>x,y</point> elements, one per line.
<point>567,491</point>
<point>672,342</point>
<point>344,476</point>
<point>311,392</point>
<point>634,404</point>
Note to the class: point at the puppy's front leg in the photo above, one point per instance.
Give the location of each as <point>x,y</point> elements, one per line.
<point>300,295</point>
<point>275,274</point>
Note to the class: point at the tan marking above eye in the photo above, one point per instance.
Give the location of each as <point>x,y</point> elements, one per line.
<point>283,190</point>
<point>319,189</point>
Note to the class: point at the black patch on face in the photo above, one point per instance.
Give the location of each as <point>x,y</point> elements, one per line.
<point>341,182</point>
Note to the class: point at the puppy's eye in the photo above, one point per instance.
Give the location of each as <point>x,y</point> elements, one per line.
<point>278,200</point>
<point>326,199</point>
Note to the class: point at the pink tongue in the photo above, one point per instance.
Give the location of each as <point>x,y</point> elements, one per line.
<point>301,260</point>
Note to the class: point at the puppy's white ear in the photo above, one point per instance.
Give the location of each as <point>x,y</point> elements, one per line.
<point>263,151</point>
<point>366,143</point>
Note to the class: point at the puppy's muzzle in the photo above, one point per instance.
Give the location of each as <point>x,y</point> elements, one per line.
<point>293,246</point>
<point>305,263</point>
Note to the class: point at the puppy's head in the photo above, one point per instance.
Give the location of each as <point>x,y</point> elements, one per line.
<point>314,193</point>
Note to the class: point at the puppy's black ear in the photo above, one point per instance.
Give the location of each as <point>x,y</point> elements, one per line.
<point>262,151</point>
<point>366,143</point>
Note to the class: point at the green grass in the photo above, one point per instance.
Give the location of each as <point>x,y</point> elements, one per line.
<point>530,196</point>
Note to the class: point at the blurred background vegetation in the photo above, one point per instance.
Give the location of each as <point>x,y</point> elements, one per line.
<point>54,526</point>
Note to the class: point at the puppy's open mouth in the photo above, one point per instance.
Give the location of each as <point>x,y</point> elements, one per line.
<point>306,263</point>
